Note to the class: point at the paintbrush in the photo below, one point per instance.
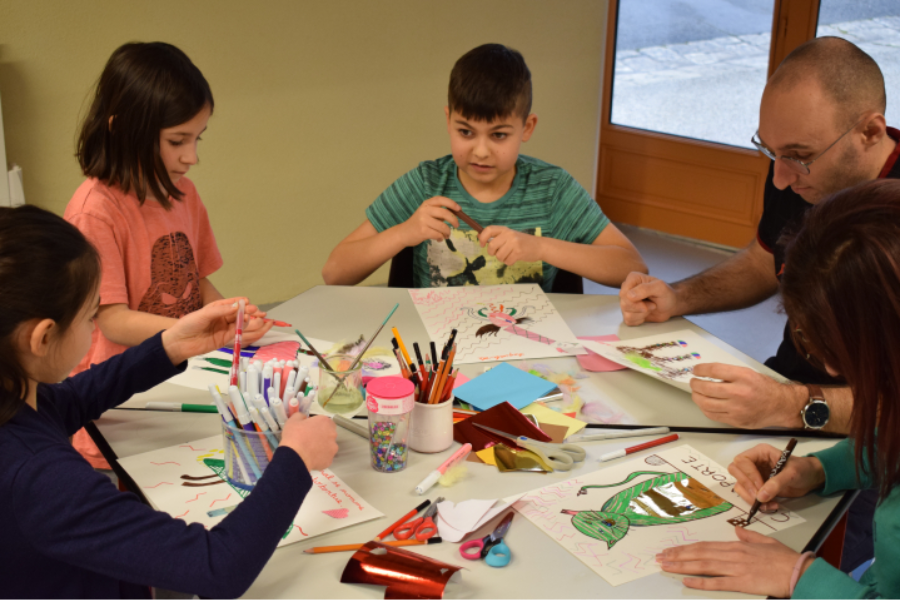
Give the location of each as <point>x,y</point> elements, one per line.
<point>316,352</point>
<point>360,355</point>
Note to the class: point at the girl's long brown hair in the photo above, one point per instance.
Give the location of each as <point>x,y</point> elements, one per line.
<point>48,270</point>
<point>841,292</point>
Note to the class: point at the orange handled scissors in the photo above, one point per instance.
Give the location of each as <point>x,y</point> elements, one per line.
<point>422,528</point>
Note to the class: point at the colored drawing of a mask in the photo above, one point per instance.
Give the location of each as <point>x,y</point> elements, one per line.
<point>665,499</point>
<point>406,574</point>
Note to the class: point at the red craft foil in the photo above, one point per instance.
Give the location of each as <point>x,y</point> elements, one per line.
<point>406,574</point>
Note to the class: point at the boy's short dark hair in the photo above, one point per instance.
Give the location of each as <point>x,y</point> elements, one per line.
<point>144,88</point>
<point>490,82</point>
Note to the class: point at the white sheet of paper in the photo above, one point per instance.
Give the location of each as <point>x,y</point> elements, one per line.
<point>469,309</point>
<point>455,521</point>
<point>159,476</point>
<point>634,554</point>
<point>672,362</point>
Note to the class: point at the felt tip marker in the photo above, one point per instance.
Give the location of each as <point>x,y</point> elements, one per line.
<point>638,448</point>
<point>457,457</point>
<point>778,467</point>
<point>179,407</point>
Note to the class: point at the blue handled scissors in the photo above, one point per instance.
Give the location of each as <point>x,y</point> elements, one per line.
<point>561,457</point>
<point>491,548</point>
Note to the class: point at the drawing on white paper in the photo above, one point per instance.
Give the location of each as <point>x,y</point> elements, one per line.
<point>501,322</point>
<point>617,519</point>
<point>669,357</point>
<point>189,482</point>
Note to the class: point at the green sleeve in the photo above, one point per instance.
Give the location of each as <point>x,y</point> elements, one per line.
<point>398,203</point>
<point>821,580</point>
<point>577,218</point>
<point>840,469</point>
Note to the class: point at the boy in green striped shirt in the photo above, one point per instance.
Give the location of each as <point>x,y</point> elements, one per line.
<point>536,217</point>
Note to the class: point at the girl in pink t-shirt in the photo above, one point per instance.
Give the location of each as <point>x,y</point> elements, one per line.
<point>137,208</point>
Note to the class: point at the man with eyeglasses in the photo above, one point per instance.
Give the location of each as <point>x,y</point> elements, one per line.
<point>821,121</point>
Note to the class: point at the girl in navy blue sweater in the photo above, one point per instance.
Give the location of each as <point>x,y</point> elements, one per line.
<point>66,530</point>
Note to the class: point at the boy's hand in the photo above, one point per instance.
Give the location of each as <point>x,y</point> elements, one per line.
<point>510,246</point>
<point>209,328</point>
<point>428,222</point>
<point>799,476</point>
<point>313,438</point>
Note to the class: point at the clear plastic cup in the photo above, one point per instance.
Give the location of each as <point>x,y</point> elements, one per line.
<point>340,390</point>
<point>247,454</point>
<point>390,402</point>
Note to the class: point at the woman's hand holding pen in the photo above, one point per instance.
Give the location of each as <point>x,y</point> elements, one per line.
<point>314,439</point>
<point>211,327</point>
<point>800,476</point>
<point>429,222</point>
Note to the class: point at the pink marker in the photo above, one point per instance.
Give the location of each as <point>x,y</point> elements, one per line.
<point>293,407</point>
<point>457,457</point>
<point>238,334</point>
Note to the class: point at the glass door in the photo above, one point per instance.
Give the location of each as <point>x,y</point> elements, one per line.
<point>682,86</point>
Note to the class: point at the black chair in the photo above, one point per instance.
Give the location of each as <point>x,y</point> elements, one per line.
<point>401,275</point>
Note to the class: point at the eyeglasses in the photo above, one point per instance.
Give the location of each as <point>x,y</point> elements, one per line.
<point>795,164</point>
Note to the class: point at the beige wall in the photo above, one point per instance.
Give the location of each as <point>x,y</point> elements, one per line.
<point>319,106</point>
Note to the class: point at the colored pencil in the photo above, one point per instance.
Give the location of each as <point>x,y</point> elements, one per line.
<point>179,407</point>
<point>468,220</point>
<point>401,520</point>
<point>394,543</point>
<point>402,346</point>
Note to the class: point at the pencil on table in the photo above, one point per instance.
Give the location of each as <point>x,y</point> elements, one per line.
<point>394,543</point>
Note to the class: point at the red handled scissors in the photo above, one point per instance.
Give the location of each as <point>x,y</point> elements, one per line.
<point>422,528</point>
<point>491,548</point>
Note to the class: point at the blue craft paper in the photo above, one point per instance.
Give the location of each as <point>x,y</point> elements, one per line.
<point>503,383</point>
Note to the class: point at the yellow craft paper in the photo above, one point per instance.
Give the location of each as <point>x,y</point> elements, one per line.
<point>487,455</point>
<point>551,417</point>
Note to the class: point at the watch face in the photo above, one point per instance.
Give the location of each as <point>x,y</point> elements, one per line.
<point>816,415</point>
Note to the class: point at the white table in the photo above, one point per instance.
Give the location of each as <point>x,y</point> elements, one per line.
<point>540,567</point>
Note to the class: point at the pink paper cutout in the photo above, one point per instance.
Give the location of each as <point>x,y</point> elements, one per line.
<point>338,513</point>
<point>278,351</point>
<point>595,363</point>
<point>460,379</point>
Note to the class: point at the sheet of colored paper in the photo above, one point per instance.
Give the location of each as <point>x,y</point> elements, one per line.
<point>503,383</point>
<point>503,417</point>
<point>487,456</point>
<point>495,322</point>
<point>181,480</point>
<point>595,363</point>
<point>617,519</point>
<point>549,416</point>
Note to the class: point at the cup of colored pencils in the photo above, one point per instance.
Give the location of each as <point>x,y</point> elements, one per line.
<point>433,375</point>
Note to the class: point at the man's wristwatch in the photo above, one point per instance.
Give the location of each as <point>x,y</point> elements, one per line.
<point>816,413</point>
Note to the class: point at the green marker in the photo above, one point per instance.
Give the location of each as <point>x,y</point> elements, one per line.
<point>212,370</point>
<point>219,362</point>
<point>178,407</point>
